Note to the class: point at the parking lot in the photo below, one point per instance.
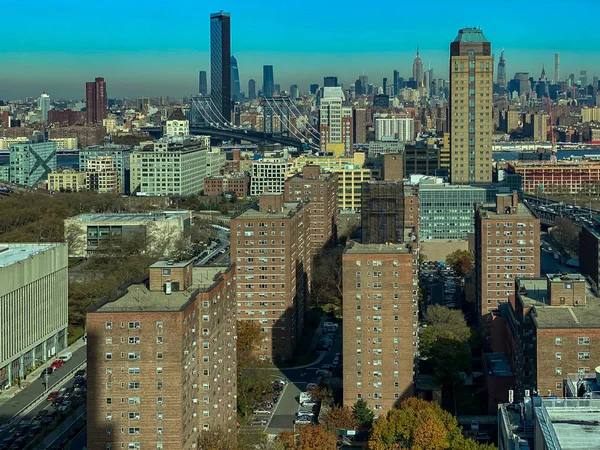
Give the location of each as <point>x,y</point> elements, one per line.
<point>440,284</point>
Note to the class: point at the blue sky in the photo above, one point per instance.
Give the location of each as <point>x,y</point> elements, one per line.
<point>156,47</point>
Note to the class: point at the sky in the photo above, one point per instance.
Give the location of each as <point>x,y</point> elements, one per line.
<point>156,48</point>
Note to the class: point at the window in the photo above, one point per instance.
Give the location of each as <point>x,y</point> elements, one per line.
<point>108,416</point>
<point>559,386</point>
<point>159,370</point>
<point>159,430</point>
<point>159,400</point>
<point>134,416</point>
<point>159,415</point>
<point>558,356</point>
<point>133,325</point>
<point>583,355</point>
<point>108,340</point>
<point>558,341</point>
<point>159,385</point>
<point>159,339</point>
<point>133,385</point>
<point>133,401</point>
<point>108,325</point>
<point>559,371</point>
<point>159,355</point>
<point>133,430</point>
<point>583,341</point>
<point>109,401</point>
<point>159,325</point>
<point>134,340</point>
<point>108,356</point>
<point>166,272</point>
<point>133,355</point>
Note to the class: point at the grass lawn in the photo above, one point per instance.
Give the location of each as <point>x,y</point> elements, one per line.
<point>74,334</point>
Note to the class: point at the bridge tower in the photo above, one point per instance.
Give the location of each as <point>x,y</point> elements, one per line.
<point>276,115</point>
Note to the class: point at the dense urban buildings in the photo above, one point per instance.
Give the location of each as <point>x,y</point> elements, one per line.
<point>33,306</point>
<point>395,126</point>
<point>235,80</point>
<point>96,101</point>
<point>471,124</point>
<point>220,63</point>
<point>223,184</point>
<point>335,122</point>
<point>120,155</point>
<point>271,248</point>
<point>380,325</point>
<point>32,161</point>
<point>66,180</point>
<point>161,359</point>
<point>269,175</point>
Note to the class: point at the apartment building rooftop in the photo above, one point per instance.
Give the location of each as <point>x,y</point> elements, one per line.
<point>13,253</point>
<point>489,211</point>
<point>138,297</point>
<point>271,206</point>
<point>358,248</point>
<point>569,423</point>
<point>131,217</point>
<point>497,365</point>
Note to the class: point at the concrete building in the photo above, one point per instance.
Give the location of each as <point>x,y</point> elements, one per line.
<point>395,126</point>
<point>421,159</point>
<point>535,126</point>
<point>393,166</point>
<point>319,189</point>
<point>67,143</point>
<point>335,122</point>
<point>67,180</point>
<point>271,249</point>
<point>177,124</point>
<point>379,346</point>
<point>563,177</point>
<point>44,106</point>
<point>102,175</point>
<point>33,306</point>
<point>471,122</point>
<point>509,120</point>
<point>269,175</point>
<point>507,245</point>
<point>173,166</point>
<point>225,183</point>
<point>590,114</point>
<point>156,231</point>
<point>32,161</point>
<point>359,124</point>
<point>385,146</point>
<point>446,211</point>
<point>215,162</point>
<point>120,154</point>
<point>161,360</point>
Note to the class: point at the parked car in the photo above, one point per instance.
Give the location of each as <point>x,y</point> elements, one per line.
<point>259,422</point>
<point>304,412</point>
<point>308,403</point>
<point>262,411</point>
<point>66,356</point>
<point>56,364</point>
<point>303,421</point>
<point>80,373</point>
<point>6,443</point>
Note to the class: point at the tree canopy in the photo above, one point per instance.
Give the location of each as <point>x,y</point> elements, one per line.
<point>363,414</point>
<point>310,437</point>
<point>461,261</point>
<point>340,418</point>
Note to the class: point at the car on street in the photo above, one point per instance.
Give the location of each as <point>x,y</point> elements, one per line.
<point>47,371</point>
<point>56,364</point>
<point>64,405</point>
<point>6,443</point>
<point>80,373</point>
<point>52,396</point>
<point>19,444</point>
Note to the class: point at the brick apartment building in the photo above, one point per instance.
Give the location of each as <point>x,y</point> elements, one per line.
<point>380,310</point>
<point>221,184</point>
<point>271,249</point>
<point>162,361</point>
<point>507,245</point>
<point>554,330</point>
<point>319,188</point>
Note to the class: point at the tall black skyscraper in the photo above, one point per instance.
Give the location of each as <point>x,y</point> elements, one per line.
<point>396,82</point>
<point>358,88</point>
<point>384,85</point>
<point>251,89</point>
<point>202,84</point>
<point>330,81</point>
<point>314,88</point>
<point>235,80</point>
<point>268,82</point>
<point>220,63</point>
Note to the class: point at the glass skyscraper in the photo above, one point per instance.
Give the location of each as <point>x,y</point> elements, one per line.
<point>268,81</point>
<point>220,63</point>
<point>235,80</point>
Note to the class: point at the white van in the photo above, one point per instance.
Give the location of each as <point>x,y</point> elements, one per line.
<point>65,356</point>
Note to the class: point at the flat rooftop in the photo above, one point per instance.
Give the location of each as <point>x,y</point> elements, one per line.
<point>139,298</point>
<point>288,210</point>
<point>131,217</point>
<point>358,248</point>
<point>488,211</point>
<point>577,427</point>
<point>13,253</point>
<point>497,365</point>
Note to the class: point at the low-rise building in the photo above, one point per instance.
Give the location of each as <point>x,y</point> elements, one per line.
<point>158,231</point>
<point>33,306</point>
<point>563,177</point>
<point>119,153</point>
<point>162,360</point>
<point>177,124</point>
<point>67,180</point>
<point>220,185</point>
<point>269,175</point>
<point>102,175</point>
<point>67,143</point>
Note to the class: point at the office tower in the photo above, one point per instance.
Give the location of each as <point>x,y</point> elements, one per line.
<point>359,123</point>
<point>294,92</point>
<point>379,280</point>
<point>251,89</point>
<point>202,83</point>
<point>319,188</point>
<point>313,89</point>
<point>96,101</point>
<point>471,122</point>
<point>384,211</point>
<point>364,82</point>
<point>268,82</point>
<point>330,82</point>
<point>220,63</point>
<point>384,86</point>
<point>269,175</point>
<point>44,106</point>
<point>33,160</point>
<point>396,82</point>
<point>161,359</point>
<point>583,80</point>
<point>501,77</point>
<point>277,88</point>
<point>358,88</point>
<point>279,299</point>
<point>394,126</point>
<point>507,245</point>
<point>235,80</point>
<point>33,293</point>
<point>556,68</point>
<point>418,74</point>
<point>335,122</point>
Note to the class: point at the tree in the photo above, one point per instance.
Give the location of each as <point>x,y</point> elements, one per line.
<point>326,285</point>
<point>340,418</point>
<point>461,261</point>
<point>363,414</point>
<point>248,340</point>
<point>310,437</point>
<point>567,235</point>
<point>419,425</point>
<point>216,440</point>
<point>322,394</point>
<point>252,383</point>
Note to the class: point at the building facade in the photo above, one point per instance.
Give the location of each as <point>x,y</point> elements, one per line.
<point>335,122</point>
<point>268,87</point>
<point>564,177</point>
<point>33,306</point>
<point>224,184</point>
<point>96,101</point>
<point>380,308</point>
<point>162,362</point>
<point>32,161</point>
<point>394,126</point>
<point>177,124</point>
<point>220,63</point>
<point>471,122</point>
<point>102,175</point>
<point>67,180</point>
<point>269,175</point>
<point>271,249</point>
<point>120,154</point>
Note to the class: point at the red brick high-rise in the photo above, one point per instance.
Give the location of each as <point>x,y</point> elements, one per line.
<point>96,101</point>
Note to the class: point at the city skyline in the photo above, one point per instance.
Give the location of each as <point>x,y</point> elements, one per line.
<point>171,68</point>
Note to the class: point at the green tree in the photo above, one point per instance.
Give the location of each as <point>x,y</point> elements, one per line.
<point>363,414</point>
<point>252,383</point>
<point>340,418</point>
<point>461,261</point>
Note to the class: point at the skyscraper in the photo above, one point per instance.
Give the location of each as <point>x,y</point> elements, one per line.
<point>396,82</point>
<point>95,99</point>
<point>268,81</point>
<point>235,80</point>
<point>501,80</point>
<point>384,85</point>
<point>418,73</point>
<point>220,63</point>
<point>330,81</point>
<point>294,92</point>
<point>44,105</point>
<point>556,68</point>
<point>202,83</point>
<point>471,123</point>
<point>335,122</point>
<point>313,89</point>
<point>251,89</point>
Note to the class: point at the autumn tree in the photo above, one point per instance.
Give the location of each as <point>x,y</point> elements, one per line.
<point>322,394</point>
<point>363,414</point>
<point>461,261</point>
<point>419,425</point>
<point>340,418</point>
<point>567,234</point>
<point>217,440</point>
<point>248,340</point>
<point>309,437</point>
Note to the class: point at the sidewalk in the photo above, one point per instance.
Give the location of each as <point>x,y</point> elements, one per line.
<point>13,392</point>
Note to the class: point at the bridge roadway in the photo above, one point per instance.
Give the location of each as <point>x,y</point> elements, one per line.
<point>227,134</point>
<point>548,210</point>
